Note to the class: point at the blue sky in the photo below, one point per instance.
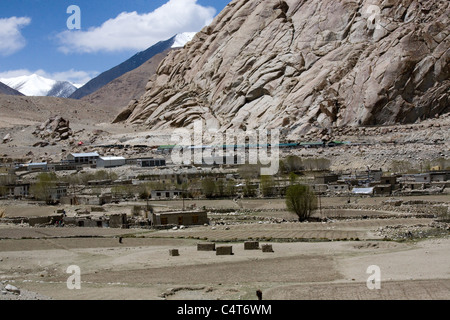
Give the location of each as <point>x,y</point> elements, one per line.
<point>34,37</point>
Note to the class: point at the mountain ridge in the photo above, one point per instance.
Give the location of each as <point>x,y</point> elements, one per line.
<point>4,89</point>
<point>130,64</point>
<point>131,86</point>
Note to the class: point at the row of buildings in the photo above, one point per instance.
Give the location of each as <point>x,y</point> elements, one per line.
<point>375,183</point>
<point>76,162</point>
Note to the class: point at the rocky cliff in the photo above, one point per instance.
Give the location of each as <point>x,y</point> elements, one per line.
<point>305,65</point>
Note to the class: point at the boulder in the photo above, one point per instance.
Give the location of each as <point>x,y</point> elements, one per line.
<point>7,138</point>
<point>12,289</point>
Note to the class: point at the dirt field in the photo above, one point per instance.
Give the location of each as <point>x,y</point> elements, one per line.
<point>313,260</point>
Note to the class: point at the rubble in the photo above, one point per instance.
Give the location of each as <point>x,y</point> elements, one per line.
<point>414,232</point>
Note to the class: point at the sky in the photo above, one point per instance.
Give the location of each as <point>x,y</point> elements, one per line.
<point>75,40</point>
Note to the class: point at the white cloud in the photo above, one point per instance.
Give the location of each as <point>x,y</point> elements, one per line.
<point>11,39</point>
<point>133,31</point>
<point>76,77</point>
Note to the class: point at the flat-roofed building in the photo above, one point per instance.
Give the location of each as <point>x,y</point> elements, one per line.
<point>110,162</point>
<point>165,194</point>
<point>179,218</point>
<point>83,158</point>
<point>148,163</point>
<point>37,166</point>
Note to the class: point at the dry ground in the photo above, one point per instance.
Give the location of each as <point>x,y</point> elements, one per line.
<point>310,261</point>
<point>313,260</point>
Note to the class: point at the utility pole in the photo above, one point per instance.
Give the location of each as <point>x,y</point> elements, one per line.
<point>320,205</point>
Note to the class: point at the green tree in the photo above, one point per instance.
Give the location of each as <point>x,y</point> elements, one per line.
<point>220,188</point>
<point>249,189</point>
<point>267,186</point>
<point>301,200</point>
<point>3,191</point>
<point>293,164</point>
<point>42,189</point>
<point>145,190</point>
<point>231,188</point>
<point>292,178</point>
<point>208,187</point>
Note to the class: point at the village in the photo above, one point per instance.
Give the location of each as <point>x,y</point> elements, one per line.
<point>89,181</point>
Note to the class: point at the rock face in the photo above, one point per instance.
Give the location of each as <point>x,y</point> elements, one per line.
<point>302,65</point>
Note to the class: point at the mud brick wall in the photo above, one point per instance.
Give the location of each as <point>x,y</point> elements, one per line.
<point>224,251</point>
<point>206,247</point>
<point>267,248</point>
<point>251,245</point>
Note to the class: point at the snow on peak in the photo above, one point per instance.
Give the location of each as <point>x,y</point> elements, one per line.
<point>38,86</point>
<point>183,38</point>
<point>33,85</point>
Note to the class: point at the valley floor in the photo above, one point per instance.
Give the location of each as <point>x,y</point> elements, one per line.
<point>315,260</point>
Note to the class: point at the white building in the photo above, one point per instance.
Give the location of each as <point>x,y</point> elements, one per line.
<point>110,162</point>
<point>37,166</point>
<point>83,158</point>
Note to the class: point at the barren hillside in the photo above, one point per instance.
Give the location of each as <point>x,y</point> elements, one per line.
<point>131,86</point>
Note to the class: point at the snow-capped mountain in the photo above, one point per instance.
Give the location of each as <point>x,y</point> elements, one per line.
<point>183,38</point>
<point>35,85</point>
<point>62,89</point>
